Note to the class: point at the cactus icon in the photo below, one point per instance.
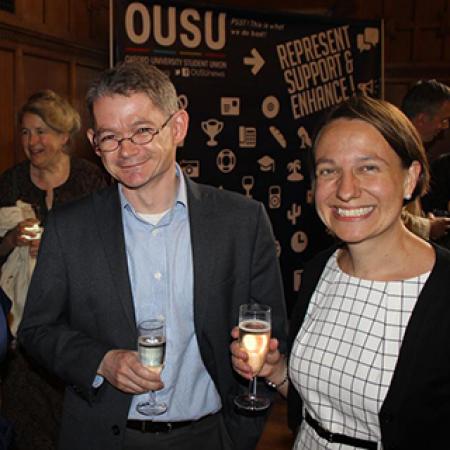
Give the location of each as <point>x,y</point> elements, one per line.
<point>294,212</point>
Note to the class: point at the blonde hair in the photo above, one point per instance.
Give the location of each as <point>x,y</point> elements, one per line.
<point>54,110</point>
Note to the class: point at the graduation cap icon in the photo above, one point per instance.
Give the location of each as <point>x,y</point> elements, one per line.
<point>266,164</point>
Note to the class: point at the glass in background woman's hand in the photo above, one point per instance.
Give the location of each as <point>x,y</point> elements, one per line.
<point>28,232</point>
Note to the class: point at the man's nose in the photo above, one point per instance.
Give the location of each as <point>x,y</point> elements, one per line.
<point>127,147</point>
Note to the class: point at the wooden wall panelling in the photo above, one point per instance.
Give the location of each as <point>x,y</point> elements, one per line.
<point>81,22</point>
<point>395,90</point>
<point>40,72</point>
<point>366,10</point>
<point>7,153</point>
<point>428,47</point>
<point>304,6</point>
<point>98,22</point>
<point>444,31</point>
<point>444,17</point>
<point>84,75</point>
<point>399,35</point>
<point>447,45</point>
<point>57,16</point>
<point>428,43</point>
<point>30,12</point>
<point>19,98</point>
<point>72,80</point>
<point>428,12</point>
<point>398,42</point>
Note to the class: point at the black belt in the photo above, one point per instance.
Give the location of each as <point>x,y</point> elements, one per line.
<point>337,437</point>
<point>149,426</point>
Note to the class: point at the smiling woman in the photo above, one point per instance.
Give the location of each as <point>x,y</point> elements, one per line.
<point>361,183</point>
<point>368,159</point>
<point>49,177</point>
<point>369,357</point>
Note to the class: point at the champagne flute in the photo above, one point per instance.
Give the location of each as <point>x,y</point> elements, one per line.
<point>254,337</point>
<point>152,350</point>
<point>34,226</point>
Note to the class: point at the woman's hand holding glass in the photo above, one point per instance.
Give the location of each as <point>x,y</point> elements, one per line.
<point>274,367</point>
<point>255,353</point>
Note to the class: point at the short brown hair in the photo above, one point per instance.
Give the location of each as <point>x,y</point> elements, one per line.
<point>127,78</point>
<point>393,125</point>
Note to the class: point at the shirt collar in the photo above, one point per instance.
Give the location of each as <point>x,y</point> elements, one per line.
<point>182,190</point>
<point>181,198</point>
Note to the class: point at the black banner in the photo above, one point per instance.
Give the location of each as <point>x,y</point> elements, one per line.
<point>255,86</point>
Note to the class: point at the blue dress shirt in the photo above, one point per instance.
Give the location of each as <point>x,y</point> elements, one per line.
<point>161,273</point>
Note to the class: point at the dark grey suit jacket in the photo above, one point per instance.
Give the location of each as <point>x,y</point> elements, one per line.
<point>80,304</point>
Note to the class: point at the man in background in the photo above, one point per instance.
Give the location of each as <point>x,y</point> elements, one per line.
<point>154,245</point>
<point>427,104</point>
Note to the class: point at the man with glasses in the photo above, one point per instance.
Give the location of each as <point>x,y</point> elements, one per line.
<point>156,245</point>
<point>427,104</point>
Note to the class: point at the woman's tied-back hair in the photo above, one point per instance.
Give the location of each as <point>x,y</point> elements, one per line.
<point>393,125</point>
<point>128,78</point>
<point>54,110</point>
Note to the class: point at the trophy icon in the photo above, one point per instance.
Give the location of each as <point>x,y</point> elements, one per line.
<point>212,127</point>
<point>248,181</point>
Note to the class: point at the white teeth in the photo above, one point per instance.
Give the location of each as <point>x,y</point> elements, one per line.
<point>354,212</point>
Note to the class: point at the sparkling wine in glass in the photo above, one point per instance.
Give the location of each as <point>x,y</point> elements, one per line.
<point>254,337</point>
<point>152,350</point>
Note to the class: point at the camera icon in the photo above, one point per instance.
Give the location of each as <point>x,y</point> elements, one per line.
<point>190,167</point>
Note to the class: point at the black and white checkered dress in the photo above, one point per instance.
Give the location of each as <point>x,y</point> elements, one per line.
<point>345,353</point>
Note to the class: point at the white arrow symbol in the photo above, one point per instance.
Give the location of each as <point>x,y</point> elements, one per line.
<point>256,60</point>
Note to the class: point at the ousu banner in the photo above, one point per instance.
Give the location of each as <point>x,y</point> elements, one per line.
<point>255,85</point>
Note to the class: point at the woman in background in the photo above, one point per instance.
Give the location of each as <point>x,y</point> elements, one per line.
<point>370,335</point>
<point>50,177</point>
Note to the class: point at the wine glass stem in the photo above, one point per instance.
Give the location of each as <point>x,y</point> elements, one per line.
<point>252,388</point>
<point>152,398</point>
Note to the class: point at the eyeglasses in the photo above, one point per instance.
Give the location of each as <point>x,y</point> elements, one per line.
<point>144,135</point>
